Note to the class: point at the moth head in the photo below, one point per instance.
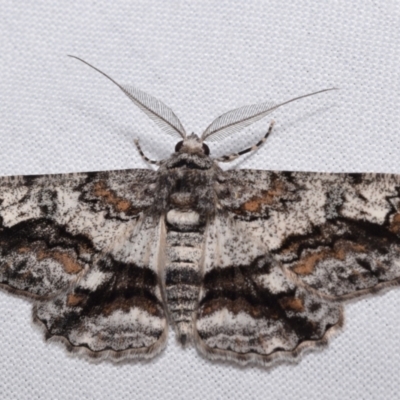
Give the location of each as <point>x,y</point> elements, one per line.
<point>192,144</point>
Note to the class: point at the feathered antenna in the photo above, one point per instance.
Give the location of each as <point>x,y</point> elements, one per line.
<point>155,109</point>
<point>238,119</point>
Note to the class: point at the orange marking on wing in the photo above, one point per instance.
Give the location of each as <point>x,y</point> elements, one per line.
<point>71,266</point>
<point>119,203</point>
<point>395,224</point>
<point>308,263</point>
<point>267,197</point>
<point>292,304</point>
<point>74,300</point>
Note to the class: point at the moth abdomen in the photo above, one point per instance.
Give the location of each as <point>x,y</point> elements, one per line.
<point>182,275</point>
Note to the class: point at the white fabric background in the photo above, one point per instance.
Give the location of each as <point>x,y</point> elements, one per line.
<point>201,58</point>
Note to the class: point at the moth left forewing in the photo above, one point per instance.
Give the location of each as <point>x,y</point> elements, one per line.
<point>355,249</point>
<point>262,198</point>
<point>283,249</point>
<point>336,233</point>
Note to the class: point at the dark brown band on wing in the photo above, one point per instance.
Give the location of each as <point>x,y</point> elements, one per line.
<point>24,246</point>
<point>236,290</point>
<point>258,202</point>
<point>127,286</point>
<point>357,255</point>
<point>339,236</point>
<point>43,230</point>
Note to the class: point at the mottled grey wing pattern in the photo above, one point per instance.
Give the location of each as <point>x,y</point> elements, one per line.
<point>82,246</point>
<point>293,246</point>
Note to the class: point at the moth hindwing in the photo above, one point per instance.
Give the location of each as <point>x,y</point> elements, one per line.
<point>247,265</point>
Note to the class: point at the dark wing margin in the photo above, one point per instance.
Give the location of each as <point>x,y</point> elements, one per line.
<point>83,248</point>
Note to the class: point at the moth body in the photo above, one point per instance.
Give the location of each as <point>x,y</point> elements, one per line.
<point>187,181</point>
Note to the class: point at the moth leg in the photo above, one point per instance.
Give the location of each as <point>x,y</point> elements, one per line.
<point>142,154</point>
<point>234,156</point>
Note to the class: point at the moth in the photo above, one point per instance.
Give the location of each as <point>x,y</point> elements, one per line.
<point>247,265</point>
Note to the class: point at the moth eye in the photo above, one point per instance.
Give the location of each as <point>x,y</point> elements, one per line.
<point>178,146</point>
<point>206,149</point>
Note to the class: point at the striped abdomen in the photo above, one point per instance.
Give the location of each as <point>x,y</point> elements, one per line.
<point>185,235</point>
